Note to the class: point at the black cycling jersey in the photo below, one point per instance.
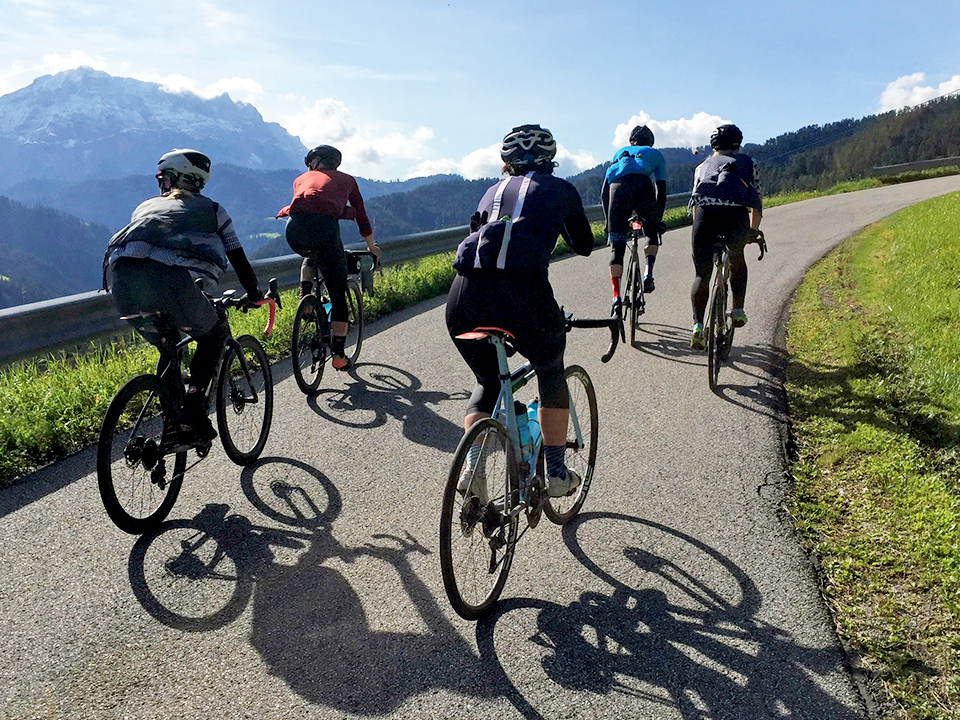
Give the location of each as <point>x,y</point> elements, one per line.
<point>526,214</point>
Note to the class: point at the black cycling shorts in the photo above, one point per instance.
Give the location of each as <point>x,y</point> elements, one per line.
<point>633,194</point>
<point>715,222</point>
<point>317,237</point>
<point>521,303</point>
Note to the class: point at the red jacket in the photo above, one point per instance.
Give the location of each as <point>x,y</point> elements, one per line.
<point>328,192</point>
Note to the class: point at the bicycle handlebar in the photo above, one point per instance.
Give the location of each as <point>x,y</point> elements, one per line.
<point>611,322</point>
<point>272,298</point>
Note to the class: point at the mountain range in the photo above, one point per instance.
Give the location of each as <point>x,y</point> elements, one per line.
<point>79,148</point>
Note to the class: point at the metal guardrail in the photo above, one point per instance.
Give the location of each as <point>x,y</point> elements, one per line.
<point>72,322</point>
<point>918,165</point>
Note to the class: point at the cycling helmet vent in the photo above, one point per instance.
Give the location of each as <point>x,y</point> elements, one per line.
<point>191,164</point>
<point>641,135</point>
<point>328,156</point>
<point>726,137</point>
<point>528,145</point>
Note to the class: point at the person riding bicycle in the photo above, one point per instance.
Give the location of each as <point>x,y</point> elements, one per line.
<point>502,282</point>
<point>322,197</point>
<point>635,183</point>
<point>726,203</point>
<point>151,265</point>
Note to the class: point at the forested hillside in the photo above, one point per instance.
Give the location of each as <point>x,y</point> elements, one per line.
<point>817,157</point>
<point>45,254</point>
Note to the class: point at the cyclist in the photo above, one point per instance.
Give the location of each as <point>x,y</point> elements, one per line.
<point>322,196</point>
<point>151,266</point>
<point>502,281</point>
<point>725,203</point>
<point>635,183</point>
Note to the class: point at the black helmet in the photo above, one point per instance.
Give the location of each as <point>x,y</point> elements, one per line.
<point>328,156</point>
<point>641,135</point>
<point>528,145</point>
<point>726,137</point>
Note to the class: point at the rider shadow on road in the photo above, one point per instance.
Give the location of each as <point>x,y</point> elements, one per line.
<point>678,629</point>
<point>308,622</point>
<point>666,342</point>
<point>376,392</point>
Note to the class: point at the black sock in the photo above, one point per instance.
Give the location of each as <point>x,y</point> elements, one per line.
<point>651,259</point>
<point>338,343</point>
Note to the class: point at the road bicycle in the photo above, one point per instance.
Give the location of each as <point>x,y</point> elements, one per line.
<point>720,327</point>
<point>632,304</point>
<point>142,450</point>
<point>498,476</point>
<point>310,342</point>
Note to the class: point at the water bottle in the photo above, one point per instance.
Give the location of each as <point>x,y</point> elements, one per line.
<point>523,428</point>
<point>533,420</point>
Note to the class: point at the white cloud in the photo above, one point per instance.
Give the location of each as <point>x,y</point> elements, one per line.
<point>326,122</point>
<point>371,150</point>
<point>671,133</point>
<point>907,90</point>
<point>54,62</point>
<point>242,89</point>
<point>486,163</point>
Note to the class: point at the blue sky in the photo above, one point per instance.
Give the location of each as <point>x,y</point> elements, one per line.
<point>411,87</point>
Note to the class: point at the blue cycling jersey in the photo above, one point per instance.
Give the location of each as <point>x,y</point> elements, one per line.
<point>637,159</point>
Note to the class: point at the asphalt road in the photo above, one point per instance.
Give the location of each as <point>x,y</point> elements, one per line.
<point>314,590</point>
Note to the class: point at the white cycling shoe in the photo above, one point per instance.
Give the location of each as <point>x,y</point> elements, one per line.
<point>561,487</point>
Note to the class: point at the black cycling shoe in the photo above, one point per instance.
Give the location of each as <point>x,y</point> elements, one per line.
<point>196,423</point>
<point>648,285</point>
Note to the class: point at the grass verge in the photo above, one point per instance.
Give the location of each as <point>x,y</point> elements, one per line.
<point>48,413</point>
<point>874,396</point>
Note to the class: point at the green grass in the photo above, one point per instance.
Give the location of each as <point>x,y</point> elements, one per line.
<point>48,413</point>
<point>874,394</point>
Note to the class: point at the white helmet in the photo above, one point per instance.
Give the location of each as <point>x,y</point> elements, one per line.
<point>192,164</point>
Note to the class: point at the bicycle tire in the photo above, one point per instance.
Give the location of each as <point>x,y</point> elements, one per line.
<point>307,350</point>
<point>580,458</point>
<point>469,527</point>
<point>136,497</point>
<point>715,334</point>
<point>637,301</point>
<point>354,322</point>
<point>243,431</point>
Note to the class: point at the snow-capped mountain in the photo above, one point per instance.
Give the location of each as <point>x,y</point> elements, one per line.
<point>85,123</point>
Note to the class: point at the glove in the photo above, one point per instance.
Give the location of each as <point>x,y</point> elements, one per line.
<point>757,236</point>
<point>478,220</point>
<point>661,228</point>
<point>253,295</point>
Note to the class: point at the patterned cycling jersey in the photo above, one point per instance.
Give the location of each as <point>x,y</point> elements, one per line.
<point>526,215</point>
<point>731,180</point>
<point>637,159</point>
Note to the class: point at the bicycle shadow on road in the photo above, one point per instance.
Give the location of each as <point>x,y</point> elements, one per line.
<point>678,633</point>
<point>376,392</point>
<point>667,342</point>
<point>760,370</point>
<point>308,623</point>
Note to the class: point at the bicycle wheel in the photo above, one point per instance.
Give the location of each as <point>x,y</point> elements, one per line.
<point>244,400</point>
<point>137,486</point>
<point>306,345</point>
<point>636,301</point>
<point>716,333</point>
<point>354,322</point>
<point>581,446</point>
<point>477,538</point>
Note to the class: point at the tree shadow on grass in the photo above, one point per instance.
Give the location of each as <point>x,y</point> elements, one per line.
<point>872,392</point>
